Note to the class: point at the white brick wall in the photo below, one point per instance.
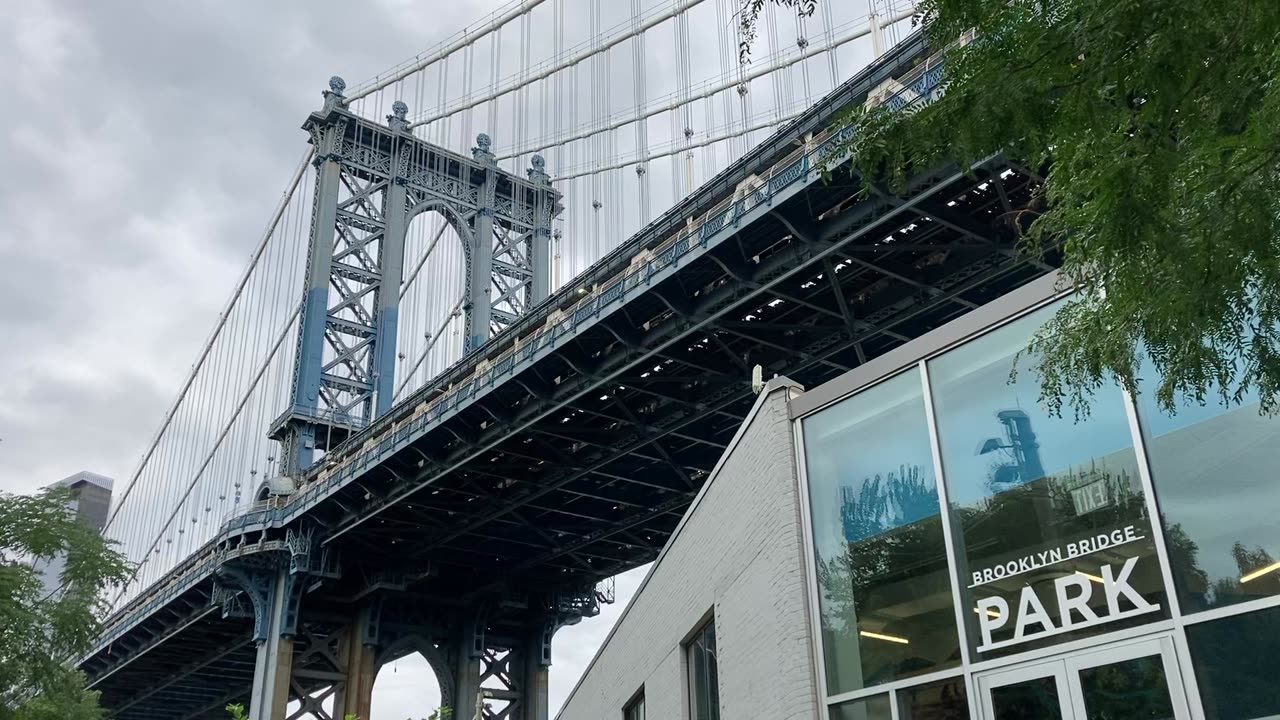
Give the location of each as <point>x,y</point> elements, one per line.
<point>739,551</point>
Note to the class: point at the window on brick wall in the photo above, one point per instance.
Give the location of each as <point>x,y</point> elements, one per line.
<point>704,676</point>
<point>634,709</point>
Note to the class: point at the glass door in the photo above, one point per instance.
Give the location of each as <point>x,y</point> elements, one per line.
<point>1132,681</point>
<point>1135,681</point>
<point>1035,692</point>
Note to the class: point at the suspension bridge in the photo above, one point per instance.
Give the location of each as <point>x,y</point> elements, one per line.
<point>470,374</point>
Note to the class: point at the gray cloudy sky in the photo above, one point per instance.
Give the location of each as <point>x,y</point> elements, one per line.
<point>145,144</point>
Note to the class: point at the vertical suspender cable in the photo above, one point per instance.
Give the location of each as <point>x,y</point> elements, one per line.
<point>640,59</point>
<point>686,81</point>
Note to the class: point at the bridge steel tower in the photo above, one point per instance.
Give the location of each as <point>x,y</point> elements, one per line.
<point>372,180</point>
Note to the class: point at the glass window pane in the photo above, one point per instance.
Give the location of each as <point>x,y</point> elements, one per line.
<point>1237,664</point>
<point>1052,529</point>
<point>1028,700</point>
<point>873,708</point>
<point>884,589</point>
<point>704,681</point>
<point>635,711</point>
<point>943,700</point>
<point>1130,690</point>
<point>1213,470</point>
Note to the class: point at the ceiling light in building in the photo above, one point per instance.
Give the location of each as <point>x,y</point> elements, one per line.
<point>990,612</point>
<point>1094,578</point>
<point>889,638</point>
<point>1259,573</point>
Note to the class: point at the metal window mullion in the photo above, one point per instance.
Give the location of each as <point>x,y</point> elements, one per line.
<point>808,559</point>
<point>935,445</point>
<point>957,596</point>
<point>1242,608</point>
<point>1187,672</point>
<point>903,684</point>
<point>1153,511</point>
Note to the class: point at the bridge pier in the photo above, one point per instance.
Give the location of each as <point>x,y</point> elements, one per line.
<point>274,596</point>
<point>354,696</point>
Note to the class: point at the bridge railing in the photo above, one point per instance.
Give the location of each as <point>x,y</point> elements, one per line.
<point>246,514</point>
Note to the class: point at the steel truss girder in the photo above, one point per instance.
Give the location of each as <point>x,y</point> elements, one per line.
<point>829,237</point>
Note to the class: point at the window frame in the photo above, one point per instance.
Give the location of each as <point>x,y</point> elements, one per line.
<point>635,702</point>
<point>687,647</point>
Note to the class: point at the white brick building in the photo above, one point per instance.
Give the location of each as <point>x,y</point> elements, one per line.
<point>736,557</point>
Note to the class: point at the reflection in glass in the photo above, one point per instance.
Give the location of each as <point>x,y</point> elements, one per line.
<point>1051,526</point>
<point>1213,470</point>
<point>873,708</point>
<point>1029,700</point>
<point>1130,690</point>
<point>1237,664</point>
<point>943,700</point>
<point>884,591</point>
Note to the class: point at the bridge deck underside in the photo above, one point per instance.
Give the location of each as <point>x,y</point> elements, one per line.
<point>583,465</point>
<point>193,672</point>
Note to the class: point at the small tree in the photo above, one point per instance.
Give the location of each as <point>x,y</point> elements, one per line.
<point>39,634</point>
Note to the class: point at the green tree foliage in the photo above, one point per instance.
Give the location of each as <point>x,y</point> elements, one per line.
<point>1157,128</point>
<point>38,634</point>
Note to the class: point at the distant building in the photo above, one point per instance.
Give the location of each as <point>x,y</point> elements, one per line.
<point>90,500</point>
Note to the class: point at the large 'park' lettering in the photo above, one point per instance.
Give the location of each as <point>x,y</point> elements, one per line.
<point>1073,593</point>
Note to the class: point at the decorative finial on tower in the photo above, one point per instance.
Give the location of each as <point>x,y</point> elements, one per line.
<point>398,119</point>
<point>481,151</point>
<point>538,171</point>
<point>333,96</point>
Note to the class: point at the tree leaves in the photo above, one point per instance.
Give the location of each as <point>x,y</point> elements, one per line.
<point>1157,128</point>
<point>39,635</point>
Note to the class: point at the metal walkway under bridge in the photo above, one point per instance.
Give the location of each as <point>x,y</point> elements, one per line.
<point>481,513</point>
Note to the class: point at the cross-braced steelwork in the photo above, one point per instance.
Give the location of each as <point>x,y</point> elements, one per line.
<point>372,180</point>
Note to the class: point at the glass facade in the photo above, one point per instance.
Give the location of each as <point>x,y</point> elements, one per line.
<point>1237,663</point>
<point>1213,469</point>
<point>1049,516</point>
<point>872,708</point>
<point>949,491</point>
<point>943,700</point>
<point>884,590</point>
